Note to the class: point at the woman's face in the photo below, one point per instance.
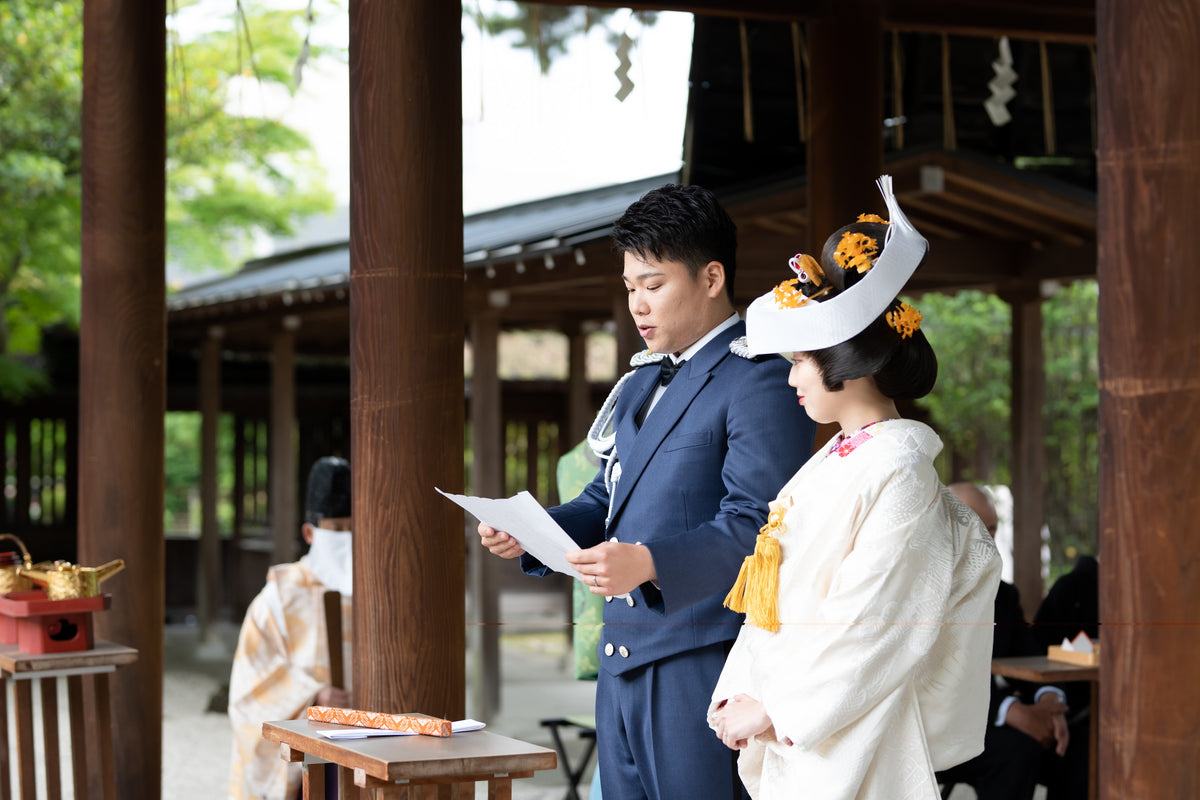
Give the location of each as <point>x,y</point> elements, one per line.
<point>820,403</point>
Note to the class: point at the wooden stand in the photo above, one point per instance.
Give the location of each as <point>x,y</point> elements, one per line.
<point>90,718</point>
<point>410,767</point>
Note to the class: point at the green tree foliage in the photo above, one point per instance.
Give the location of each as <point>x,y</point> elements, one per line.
<point>970,406</point>
<point>547,30</point>
<point>40,90</point>
<point>228,175</point>
<point>1072,423</point>
<point>969,332</point>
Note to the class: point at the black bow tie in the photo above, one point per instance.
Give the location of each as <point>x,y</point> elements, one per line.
<point>667,369</point>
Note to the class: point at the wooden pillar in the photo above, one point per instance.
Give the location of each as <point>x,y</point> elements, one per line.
<point>579,402</point>
<point>284,524</point>
<point>1028,370</point>
<point>122,360</point>
<point>845,146</point>
<point>487,480</point>
<point>209,582</point>
<point>406,334</point>
<point>1149,201</point>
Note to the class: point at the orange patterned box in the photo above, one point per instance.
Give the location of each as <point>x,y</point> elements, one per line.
<point>408,723</point>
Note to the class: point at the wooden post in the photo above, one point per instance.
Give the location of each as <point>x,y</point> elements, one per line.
<point>209,583</point>
<point>845,146</point>
<point>487,480</point>
<point>122,374</point>
<point>284,525</point>
<point>1028,371</point>
<point>1149,172</point>
<point>579,401</point>
<point>406,335</point>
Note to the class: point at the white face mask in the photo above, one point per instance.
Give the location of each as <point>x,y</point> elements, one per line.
<point>331,558</point>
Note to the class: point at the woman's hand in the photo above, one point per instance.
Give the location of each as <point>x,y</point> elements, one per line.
<point>740,720</point>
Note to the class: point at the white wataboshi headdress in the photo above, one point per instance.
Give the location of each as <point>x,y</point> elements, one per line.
<point>775,327</point>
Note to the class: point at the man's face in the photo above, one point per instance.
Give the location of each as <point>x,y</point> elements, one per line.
<point>672,309</point>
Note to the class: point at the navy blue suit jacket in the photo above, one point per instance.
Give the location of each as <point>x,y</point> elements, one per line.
<point>695,481</point>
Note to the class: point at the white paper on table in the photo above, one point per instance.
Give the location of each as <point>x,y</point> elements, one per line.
<point>526,521</point>
<point>461,726</point>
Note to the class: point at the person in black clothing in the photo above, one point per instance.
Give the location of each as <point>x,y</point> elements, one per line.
<point>1028,737</point>
<point>1072,605</point>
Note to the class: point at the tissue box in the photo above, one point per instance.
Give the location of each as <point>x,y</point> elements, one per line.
<point>409,723</point>
<point>1057,653</point>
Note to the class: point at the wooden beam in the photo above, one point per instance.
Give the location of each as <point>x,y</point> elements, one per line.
<point>283,468</point>
<point>1053,20</point>
<point>1072,21</point>
<point>487,480</point>
<point>749,9</point>
<point>579,401</point>
<point>1028,444</point>
<point>122,374</point>
<point>845,148</point>
<point>209,568</point>
<point>406,370</point>
<point>1149,174</point>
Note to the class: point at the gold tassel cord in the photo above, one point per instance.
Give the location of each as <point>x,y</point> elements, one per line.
<point>756,590</point>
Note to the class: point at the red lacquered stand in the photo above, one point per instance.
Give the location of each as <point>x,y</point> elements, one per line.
<point>38,625</point>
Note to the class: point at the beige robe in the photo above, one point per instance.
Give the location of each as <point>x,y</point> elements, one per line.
<point>282,661</point>
<point>879,672</point>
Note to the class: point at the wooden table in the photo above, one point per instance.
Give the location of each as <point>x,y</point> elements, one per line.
<point>1040,669</point>
<point>410,767</point>
<point>86,673</point>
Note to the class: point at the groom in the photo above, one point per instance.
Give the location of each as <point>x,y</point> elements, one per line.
<point>703,441</point>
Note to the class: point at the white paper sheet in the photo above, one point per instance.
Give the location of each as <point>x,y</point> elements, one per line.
<point>524,518</point>
<point>355,732</point>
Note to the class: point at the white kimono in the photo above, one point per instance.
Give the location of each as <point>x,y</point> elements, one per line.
<point>879,672</point>
<point>282,661</point>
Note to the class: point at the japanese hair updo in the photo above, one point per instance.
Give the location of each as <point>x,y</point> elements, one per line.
<point>904,367</point>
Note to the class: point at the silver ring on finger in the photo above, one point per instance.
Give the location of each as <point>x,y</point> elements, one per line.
<point>596,581</point>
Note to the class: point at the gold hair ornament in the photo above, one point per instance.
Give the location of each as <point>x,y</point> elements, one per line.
<point>905,320</point>
<point>807,268</point>
<point>856,251</point>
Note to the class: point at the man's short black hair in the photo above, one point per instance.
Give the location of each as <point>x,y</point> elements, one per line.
<point>680,223</point>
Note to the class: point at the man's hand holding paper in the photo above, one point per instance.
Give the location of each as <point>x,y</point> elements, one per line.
<point>541,536</point>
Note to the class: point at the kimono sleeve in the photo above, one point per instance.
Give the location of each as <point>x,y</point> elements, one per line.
<point>264,685</point>
<point>880,617</point>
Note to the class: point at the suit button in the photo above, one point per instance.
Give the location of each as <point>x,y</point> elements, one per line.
<point>608,598</point>
<point>608,649</point>
<point>624,651</point>
<point>629,600</point>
